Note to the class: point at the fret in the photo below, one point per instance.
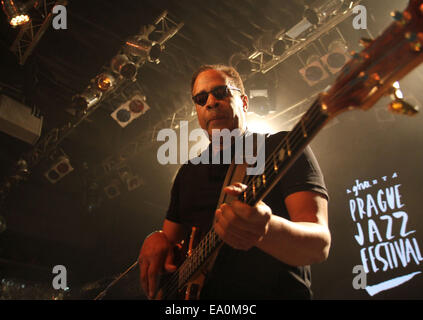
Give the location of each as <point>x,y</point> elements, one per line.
<point>258,182</point>
<point>305,135</point>
<point>289,152</point>
<point>263,177</point>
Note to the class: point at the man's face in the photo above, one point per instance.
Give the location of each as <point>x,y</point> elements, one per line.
<point>228,113</point>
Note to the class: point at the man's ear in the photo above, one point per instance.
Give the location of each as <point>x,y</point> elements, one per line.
<point>245,102</point>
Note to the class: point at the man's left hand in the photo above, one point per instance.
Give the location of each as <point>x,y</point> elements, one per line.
<point>240,225</point>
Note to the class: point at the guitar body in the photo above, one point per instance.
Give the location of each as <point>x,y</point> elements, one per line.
<point>236,173</point>
<point>192,289</point>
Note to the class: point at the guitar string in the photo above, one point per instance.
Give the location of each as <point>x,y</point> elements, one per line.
<point>172,283</point>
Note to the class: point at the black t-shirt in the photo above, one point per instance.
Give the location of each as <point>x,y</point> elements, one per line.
<point>250,274</point>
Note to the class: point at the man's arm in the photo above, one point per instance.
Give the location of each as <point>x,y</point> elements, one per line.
<point>156,255</point>
<point>302,241</point>
<point>306,238</point>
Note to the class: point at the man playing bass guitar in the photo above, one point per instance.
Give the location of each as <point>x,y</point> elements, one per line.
<point>267,248</point>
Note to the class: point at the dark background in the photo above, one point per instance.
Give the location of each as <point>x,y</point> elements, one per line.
<point>97,238</point>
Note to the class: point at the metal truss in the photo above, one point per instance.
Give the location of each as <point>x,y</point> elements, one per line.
<point>263,61</point>
<point>31,33</point>
<point>47,145</point>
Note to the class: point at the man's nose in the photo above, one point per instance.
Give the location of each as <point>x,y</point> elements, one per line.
<point>212,102</point>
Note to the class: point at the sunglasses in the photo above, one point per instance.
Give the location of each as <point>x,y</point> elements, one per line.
<point>219,93</point>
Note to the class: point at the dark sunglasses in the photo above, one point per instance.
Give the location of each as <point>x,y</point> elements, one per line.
<point>219,93</point>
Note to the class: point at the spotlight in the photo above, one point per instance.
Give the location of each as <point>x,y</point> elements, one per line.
<point>313,72</point>
<point>134,182</point>
<point>15,12</point>
<point>155,52</point>
<point>58,170</point>
<point>259,102</point>
<point>279,47</point>
<point>87,99</point>
<point>127,177</point>
<point>105,81</point>
<point>21,173</point>
<point>138,47</point>
<point>124,173</point>
<point>130,110</point>
<point>311,15</point>
<point>337,56</point>
<point>144,49</point>
<point>112,190</point>
<point>244,66</point>
<point>241,63</point>
<point>123,66</point>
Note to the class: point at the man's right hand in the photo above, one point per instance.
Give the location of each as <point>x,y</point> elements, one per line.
<point>156,257</point>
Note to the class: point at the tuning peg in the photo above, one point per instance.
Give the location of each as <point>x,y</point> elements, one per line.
<point>402,107</point>
<point>395,91</point>
<point>416,40</point>
<point>401,17</point>
<point>366,42</point>
<point>398,105</point>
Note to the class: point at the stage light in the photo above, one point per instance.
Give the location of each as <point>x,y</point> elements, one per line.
<point>84,101</point>
<point>241,63</point>
<point>58,170</point>
<point>279,47</point>
<point>130,110</point>
<point>15,12</point>
<point>128,178</point>
<point>21,173</point>
<point>105,81</point>
<point>138,47</point>
<point>259,102</point>
<point>124,67</point>
<point>143,48</point>
<point>155,52</point>
<point>313,72</point>
<point>312,16</point>
<point>299,29</point>
<point>112,190</point>
<point>336,57</point>
<point>134,182</point>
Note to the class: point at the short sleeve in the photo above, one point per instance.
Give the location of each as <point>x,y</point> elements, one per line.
<point>303,175</point>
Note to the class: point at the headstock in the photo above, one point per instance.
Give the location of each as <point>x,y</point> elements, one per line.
<point>372,73</point>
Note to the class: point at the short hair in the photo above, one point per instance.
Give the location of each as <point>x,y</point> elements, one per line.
<point>230,72</point>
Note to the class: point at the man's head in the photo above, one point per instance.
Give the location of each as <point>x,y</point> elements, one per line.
<point>227,110</point>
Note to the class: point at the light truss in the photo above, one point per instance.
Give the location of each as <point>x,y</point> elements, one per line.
<point>263,62</point>
<point>31,33</point>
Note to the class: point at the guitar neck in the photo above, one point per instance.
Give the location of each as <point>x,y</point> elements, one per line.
<point>285,154</point>
<point>277,164</point>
